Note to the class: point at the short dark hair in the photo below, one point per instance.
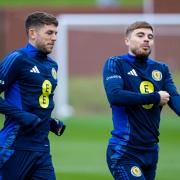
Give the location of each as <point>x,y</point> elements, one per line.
<point>37,19</point>
<point>138,25</point>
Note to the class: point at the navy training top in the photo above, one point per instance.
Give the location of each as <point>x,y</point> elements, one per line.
<point>132,87</point>
<point>28,78</point>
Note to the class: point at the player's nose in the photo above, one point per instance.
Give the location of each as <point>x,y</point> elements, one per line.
<point>54,37</point>
<point>146,39</point>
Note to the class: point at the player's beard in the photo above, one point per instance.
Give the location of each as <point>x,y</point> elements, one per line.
<point>43,49</point>
<point>141,53</point>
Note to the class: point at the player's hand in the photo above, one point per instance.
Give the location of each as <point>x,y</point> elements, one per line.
<point>57,127</point>
<point>164,97</point>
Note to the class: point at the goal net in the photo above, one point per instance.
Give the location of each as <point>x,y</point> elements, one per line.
<point>84,41</point>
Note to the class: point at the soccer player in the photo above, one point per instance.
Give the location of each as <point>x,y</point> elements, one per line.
<point>137,88</point>
<point>28,78</point>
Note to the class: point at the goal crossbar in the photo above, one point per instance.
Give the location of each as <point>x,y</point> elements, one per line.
<point>62,107</point>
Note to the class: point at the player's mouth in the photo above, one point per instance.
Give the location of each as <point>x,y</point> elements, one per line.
<point>50,45</point>
<point>145,47</point>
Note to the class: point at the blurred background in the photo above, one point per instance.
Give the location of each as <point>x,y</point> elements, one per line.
<point>81,152</point>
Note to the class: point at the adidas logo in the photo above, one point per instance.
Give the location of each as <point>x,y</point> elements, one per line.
<point>35,70</point>
<point>132,72</point>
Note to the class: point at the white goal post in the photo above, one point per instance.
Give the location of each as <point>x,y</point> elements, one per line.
<point>62,107</point>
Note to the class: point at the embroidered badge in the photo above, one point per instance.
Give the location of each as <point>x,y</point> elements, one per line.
<point>156,75</point>
<point>135,171</point>
<point>54,73</point>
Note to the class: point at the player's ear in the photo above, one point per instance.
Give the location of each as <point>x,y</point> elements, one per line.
<point>126,41</point>
<point>32,33</point>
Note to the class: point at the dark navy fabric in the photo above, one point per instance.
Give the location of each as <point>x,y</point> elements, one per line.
<point>121,162</point>
<point>28,165</point>
<point>132,86</point>
<point>28,79</point>
<point>132,90</point>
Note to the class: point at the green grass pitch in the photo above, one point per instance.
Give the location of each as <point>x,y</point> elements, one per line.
<point>61,3</point>
<point>80,153</point>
